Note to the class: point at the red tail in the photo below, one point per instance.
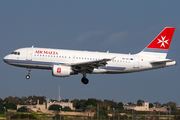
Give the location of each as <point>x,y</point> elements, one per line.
<point>163,40</point>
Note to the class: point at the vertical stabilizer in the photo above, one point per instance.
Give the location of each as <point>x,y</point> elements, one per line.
<point>160,45</point>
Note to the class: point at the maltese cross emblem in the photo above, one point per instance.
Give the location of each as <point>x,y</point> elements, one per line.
<point>163,41</point>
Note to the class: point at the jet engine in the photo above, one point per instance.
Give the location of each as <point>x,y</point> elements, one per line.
<point>62,71</point>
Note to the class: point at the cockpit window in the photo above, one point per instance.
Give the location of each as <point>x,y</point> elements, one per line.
<point>16,53</point>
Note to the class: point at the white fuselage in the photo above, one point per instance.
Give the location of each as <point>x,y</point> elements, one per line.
<point>64,63</point>
<point>43,58</point>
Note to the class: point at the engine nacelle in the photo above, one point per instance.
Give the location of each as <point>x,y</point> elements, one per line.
<point>61,71</point>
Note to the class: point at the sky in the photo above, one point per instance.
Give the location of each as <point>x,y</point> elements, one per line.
<point>117,26</point>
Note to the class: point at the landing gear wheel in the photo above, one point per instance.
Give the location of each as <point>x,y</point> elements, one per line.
<point>84,80</point>
<point>29,71</point>
<point>27,76</point>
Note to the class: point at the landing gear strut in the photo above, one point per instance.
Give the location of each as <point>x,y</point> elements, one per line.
<point>28,76</point>
<point>84,79</point>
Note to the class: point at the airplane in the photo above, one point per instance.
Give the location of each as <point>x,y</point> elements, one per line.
<point>64,63</point>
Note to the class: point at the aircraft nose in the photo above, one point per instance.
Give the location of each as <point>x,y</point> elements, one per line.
<point>5,59</point>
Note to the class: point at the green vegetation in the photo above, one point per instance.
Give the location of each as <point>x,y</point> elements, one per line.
<point>99,107</point>
<point>23,116</point>
<point>55,107</point>
<point>66,109</point>
<point>22,109</point>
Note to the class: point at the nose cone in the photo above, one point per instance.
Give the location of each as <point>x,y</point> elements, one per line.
<point>5,59</point>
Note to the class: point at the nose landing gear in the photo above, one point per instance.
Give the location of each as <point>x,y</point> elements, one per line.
<point>28,76</point>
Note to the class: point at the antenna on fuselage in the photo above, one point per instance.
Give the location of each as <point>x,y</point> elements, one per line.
<point>108,51</point>
<point>32,46</point>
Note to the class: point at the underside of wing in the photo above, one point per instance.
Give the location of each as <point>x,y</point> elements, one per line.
<point>90,65</point>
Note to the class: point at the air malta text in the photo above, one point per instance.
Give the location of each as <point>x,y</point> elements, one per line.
<point>47,52</point>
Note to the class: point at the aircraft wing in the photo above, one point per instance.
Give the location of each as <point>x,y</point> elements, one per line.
<point>90,65</point>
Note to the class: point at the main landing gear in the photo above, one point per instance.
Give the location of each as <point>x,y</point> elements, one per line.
<point>84,79</point>
<point>28,76</point>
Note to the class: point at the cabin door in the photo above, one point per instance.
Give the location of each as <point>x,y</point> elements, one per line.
<point>29,54</point>
<point>136,62</point>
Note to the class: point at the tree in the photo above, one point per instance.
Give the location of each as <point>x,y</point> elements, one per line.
<point>23,116</point>
<point>57,117</point>
<point>130,103</point>
<point>66,108</point>
<point>102,114</point>
<point>55,107</point>
<point>90,108</point>
<point>91,101</point>
<point>1,101</point>
<point>139,102</point>
<point>151,105</point>
<point>79,104</point>
<point>1,109</point>
<point>12,100</point>
<point>65,100</point>
<point>22,109</point>
<point>10,106</point>
<point>157,104</point>
<point>173,106</point>
<point>120,106</point>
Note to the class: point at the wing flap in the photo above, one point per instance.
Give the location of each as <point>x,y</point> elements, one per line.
<point>90,65</point>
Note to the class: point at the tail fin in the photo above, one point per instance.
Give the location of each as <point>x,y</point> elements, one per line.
<point>160,45</point>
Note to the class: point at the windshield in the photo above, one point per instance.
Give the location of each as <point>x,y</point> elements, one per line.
<point>16,53</point>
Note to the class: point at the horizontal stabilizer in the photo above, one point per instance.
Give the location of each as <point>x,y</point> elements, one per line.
<point>161,61</point>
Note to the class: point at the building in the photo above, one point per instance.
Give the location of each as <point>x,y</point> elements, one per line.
<point>144,107</point>
<point>45,106</point>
